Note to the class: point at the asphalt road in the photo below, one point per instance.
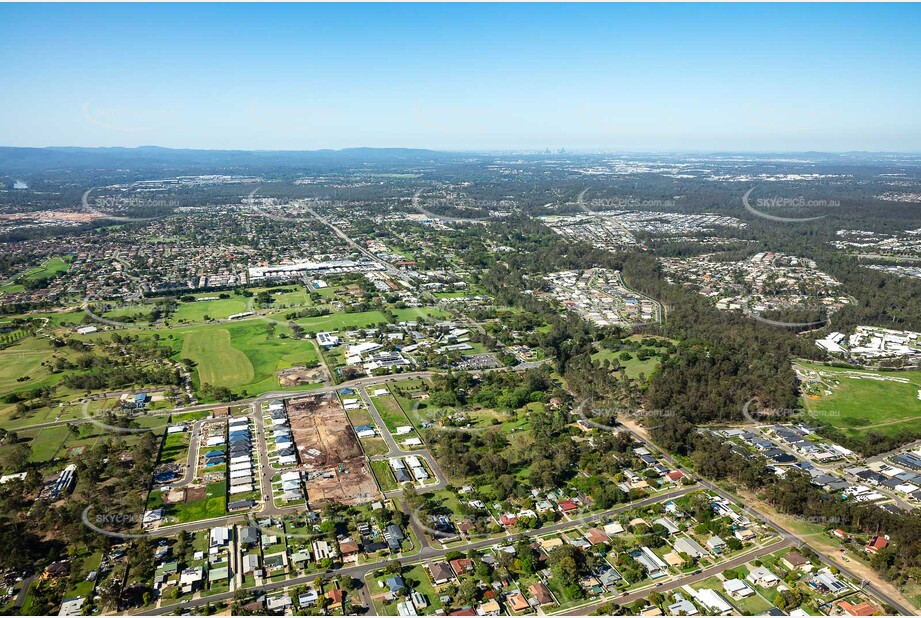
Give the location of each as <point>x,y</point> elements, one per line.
<point>797,539</point>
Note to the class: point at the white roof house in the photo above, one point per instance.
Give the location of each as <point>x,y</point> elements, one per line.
<point>71,607</point>
<point>761,576</point>
<point>737,589</point>
<point>250,563</point>
<point>220,536</point>
<point>715,604</point>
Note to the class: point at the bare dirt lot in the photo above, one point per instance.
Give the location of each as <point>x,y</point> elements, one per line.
<point>188,494</point>
<point>295,376</point>
<point>329,452</point>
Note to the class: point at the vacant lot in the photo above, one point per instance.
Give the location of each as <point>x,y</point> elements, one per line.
<point>390,412</point>
<point>24,361</point>
<point>384,476</point>
<point>219,363</point>
<point>244,355</point>
<point>858,401</point>
<point>219,309</point>
<point>329,449</point>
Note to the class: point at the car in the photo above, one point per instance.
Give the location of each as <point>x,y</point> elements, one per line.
<point>697,572</point>
<point>659,584</point>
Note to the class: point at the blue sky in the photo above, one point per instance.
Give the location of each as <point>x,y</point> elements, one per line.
<point>463,77</point>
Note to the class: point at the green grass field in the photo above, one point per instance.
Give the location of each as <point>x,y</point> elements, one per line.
<point>48,442</point>
<point>633,367</point>
<point>242,355</point>
<point>861,400</point>
<point>383,475</point>
<point>213,505</point>
<point>175,448</point>
<point>218,362</point>
<point>390,412</point>
<point>25,360</point>
<point>219,309</point>
<point>363,319</point>
<point>50,268</point>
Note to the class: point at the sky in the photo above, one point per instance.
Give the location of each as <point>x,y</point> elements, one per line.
<point>507,77</point>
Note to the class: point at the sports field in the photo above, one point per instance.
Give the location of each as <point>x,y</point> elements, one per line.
<point>242,355</point>
<point>218,362</point>
<point>363,319</point>
<point>219,309</point>
<point>25,360</point>
<point>857,401</point>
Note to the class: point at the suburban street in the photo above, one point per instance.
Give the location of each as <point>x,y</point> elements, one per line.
<point>427,553</point>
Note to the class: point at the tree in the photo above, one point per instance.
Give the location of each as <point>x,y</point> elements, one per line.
<point>16,458</point>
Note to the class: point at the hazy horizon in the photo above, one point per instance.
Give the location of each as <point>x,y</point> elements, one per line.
<point>488,151</point>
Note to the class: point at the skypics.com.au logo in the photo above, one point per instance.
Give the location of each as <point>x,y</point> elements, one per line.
<point>600,206</point>
<point>764,204</point>
<point>117,207</point>
<point>766,416</point>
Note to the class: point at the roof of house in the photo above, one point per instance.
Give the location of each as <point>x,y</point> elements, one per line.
<point>440,571</point>
<point>541,593</point>
<point>517,601</point>
<point>461,565</point>
<point>795,558</point>
<point>860,609</point>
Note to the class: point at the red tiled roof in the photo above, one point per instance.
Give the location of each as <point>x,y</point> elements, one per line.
<point>861,609</point>
<point>877,543</point>
<point>568,505</point>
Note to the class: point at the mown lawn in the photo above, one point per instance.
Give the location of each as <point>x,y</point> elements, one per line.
<point>383,475</point>
<point>175,448</point>
<point>213,505</point>
<point>48,442</point>
<point>863,400</point>
<point>243,356</point>
<point>49,268</point>
<point>390,412</point>
<point>218,362</point>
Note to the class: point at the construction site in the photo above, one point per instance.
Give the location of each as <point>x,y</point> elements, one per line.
<point>330,455</point>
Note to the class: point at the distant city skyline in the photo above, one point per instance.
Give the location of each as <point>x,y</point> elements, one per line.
<point>485,77</point>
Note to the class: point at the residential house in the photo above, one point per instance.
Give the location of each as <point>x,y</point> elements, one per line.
<point>541,593</point>
<point>690,547</point>
<point>715,604</point>
<point>860,609</point>
<point>737,589</point>
<point>761,576</point>
<point>716,544</point>
<point>681,607</point>
<point>877,544</point>
<point>517,602</point>
<point>441,573</point>
<point>794,561</point>
<point>461,566</point>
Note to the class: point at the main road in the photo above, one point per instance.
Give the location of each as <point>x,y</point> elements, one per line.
<point>784,532</point>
